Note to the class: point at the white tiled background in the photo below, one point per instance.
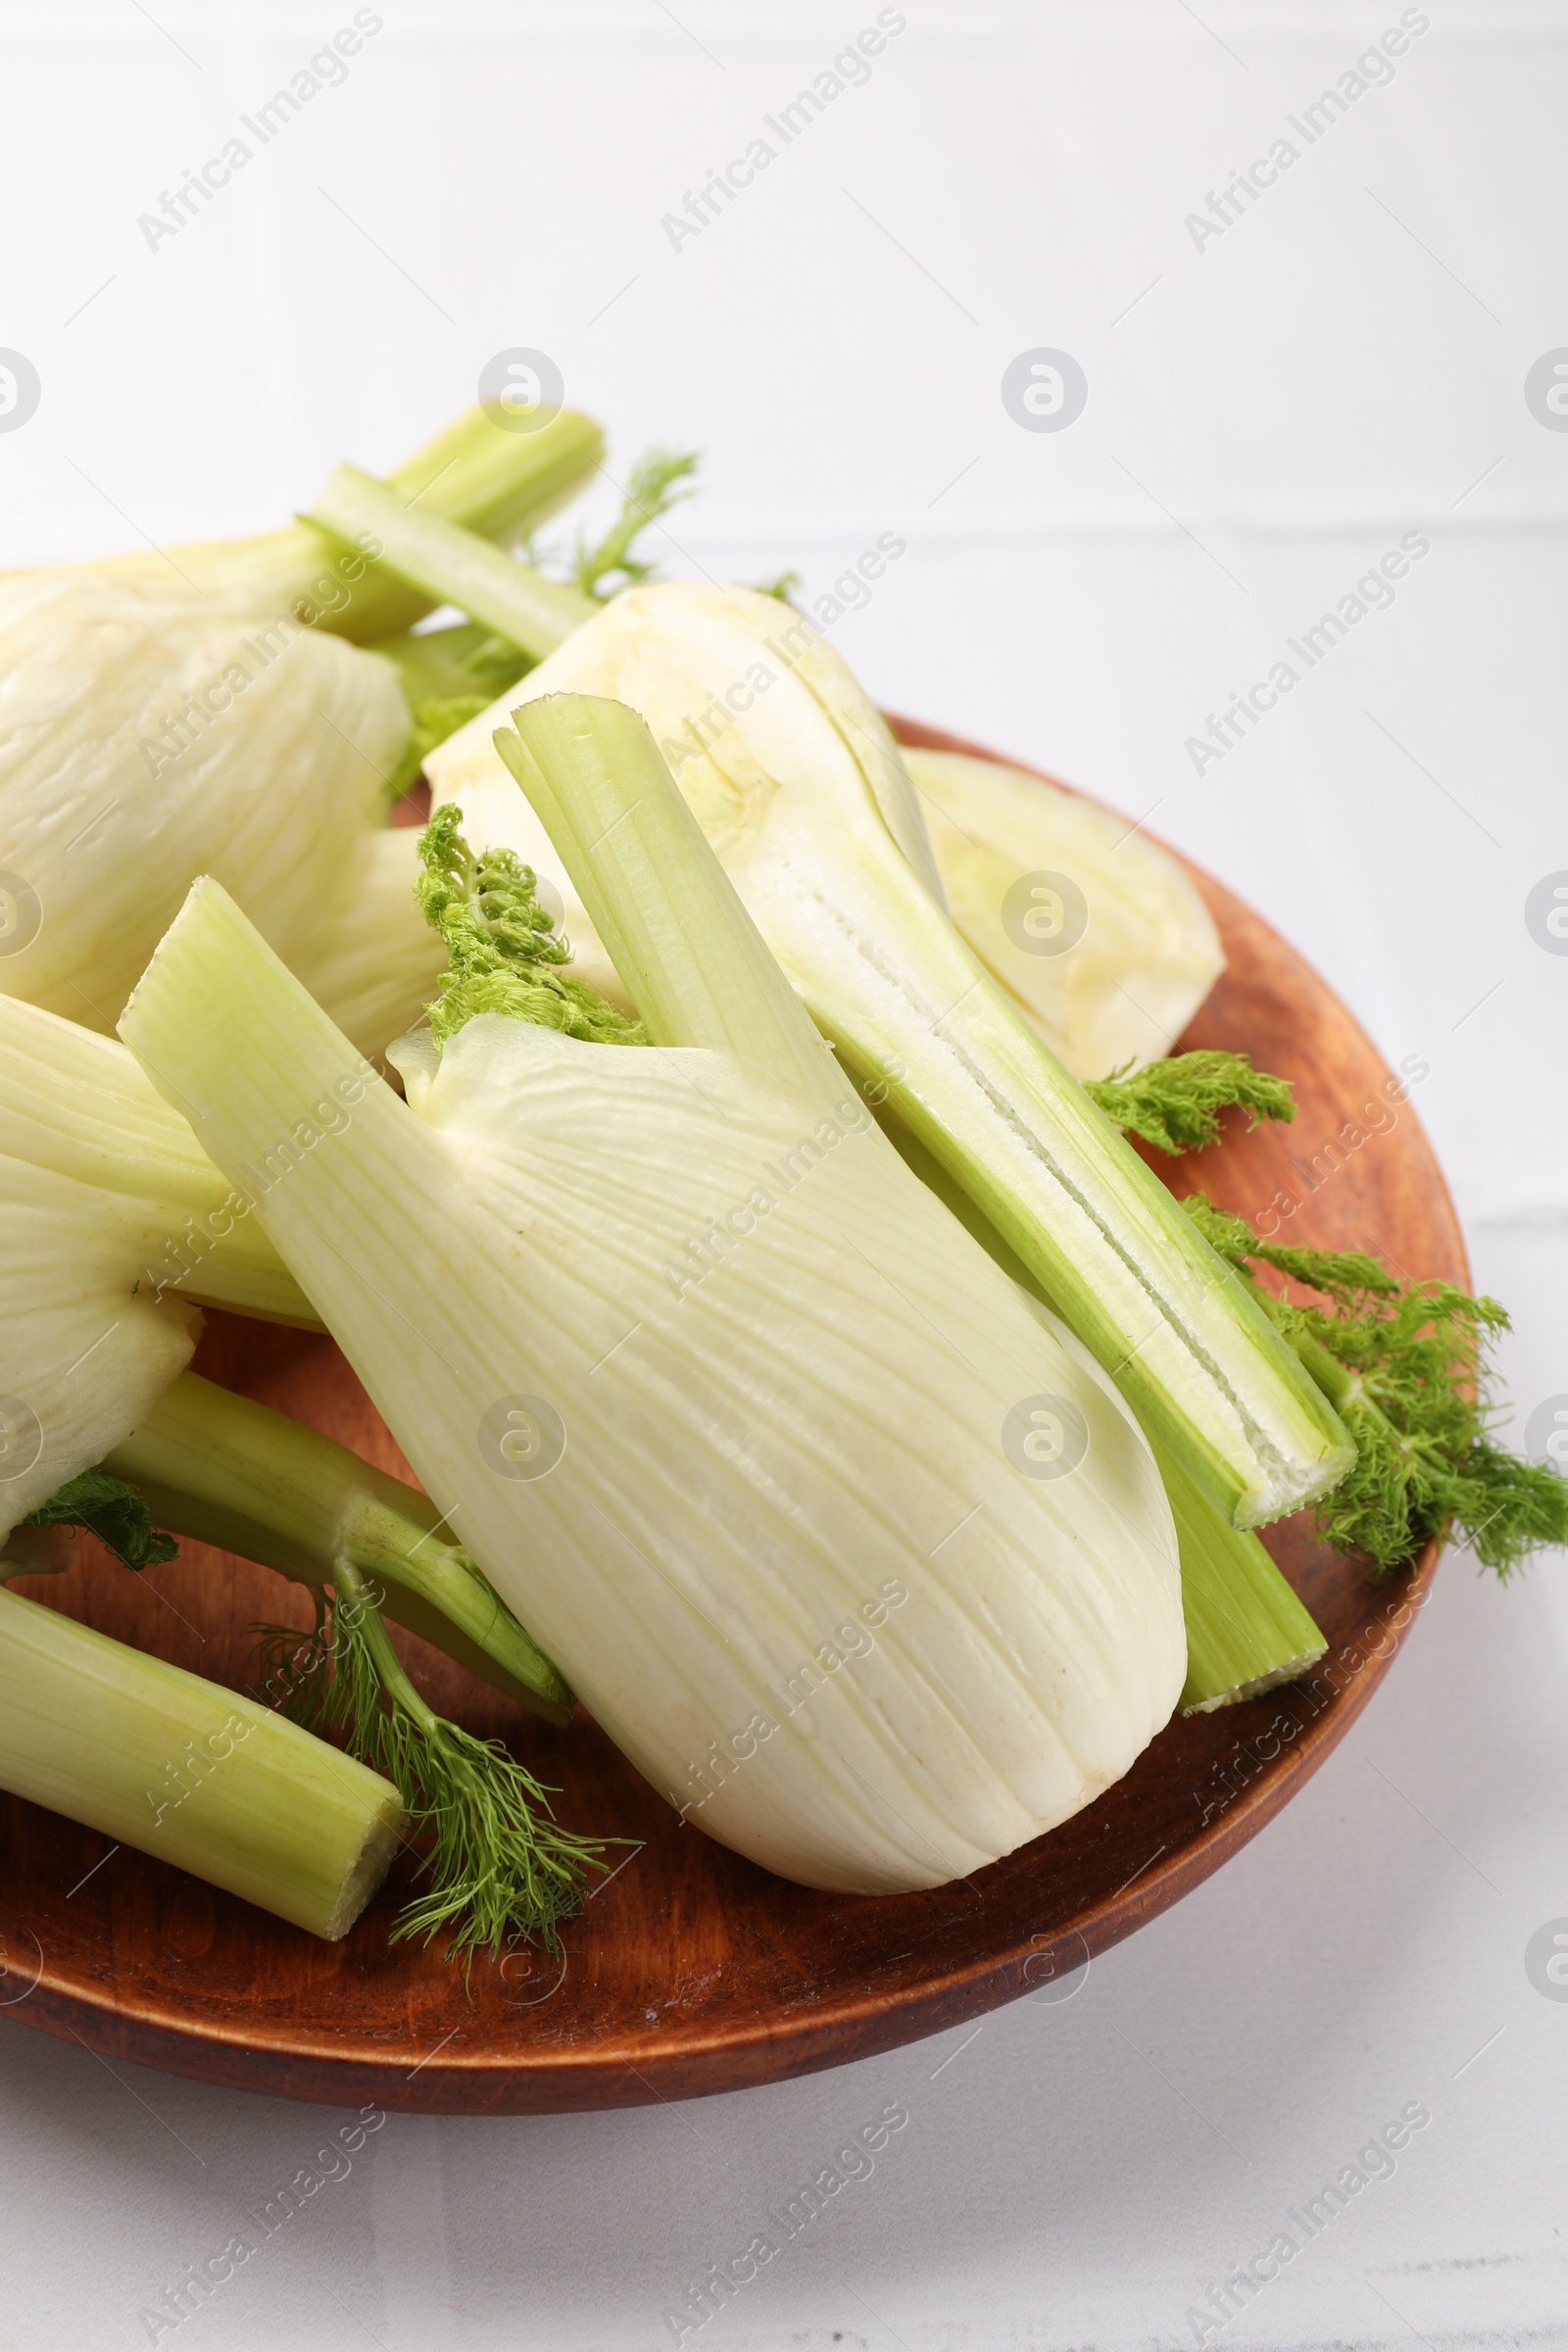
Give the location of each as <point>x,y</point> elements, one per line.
<point>1271,412</point>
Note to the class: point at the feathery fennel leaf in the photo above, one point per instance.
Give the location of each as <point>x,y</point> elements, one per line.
<point>111,1511</point>
<point>506,955</point>
<point>1346,1276</point>
<point>1175,1104</point>
<point>610,563</point>
<point>1405,1368</point>
<point>500,1867</point>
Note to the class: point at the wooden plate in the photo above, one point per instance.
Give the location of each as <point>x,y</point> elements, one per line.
<point>692,1970</point>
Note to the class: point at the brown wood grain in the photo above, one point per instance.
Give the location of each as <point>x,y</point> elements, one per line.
<point>693,1971</point>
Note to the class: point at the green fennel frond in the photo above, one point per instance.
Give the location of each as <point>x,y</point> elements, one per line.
<point>1346,1276</point>
<point>1405,1368</point>
<point>612,563</point>
<point>500,1867</point>
<point>111,1511</point>
<point>1175,1104</point>
<point>505,954</point>
<point>293,1671</point>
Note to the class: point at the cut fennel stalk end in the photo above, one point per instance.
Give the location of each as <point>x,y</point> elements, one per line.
<point>194,1775</point>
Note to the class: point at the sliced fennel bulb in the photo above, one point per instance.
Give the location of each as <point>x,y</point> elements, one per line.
<point>796,783</point>
<point>1095,933</point>
<point>719,1395</point>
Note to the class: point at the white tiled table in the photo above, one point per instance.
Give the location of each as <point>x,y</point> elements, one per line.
<point>1269,411</point>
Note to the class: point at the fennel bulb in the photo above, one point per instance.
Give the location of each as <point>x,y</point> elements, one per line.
<point>165,713</point>
<point>141,744</point>
<point>863,1569</point>
<point>1096,934</point>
